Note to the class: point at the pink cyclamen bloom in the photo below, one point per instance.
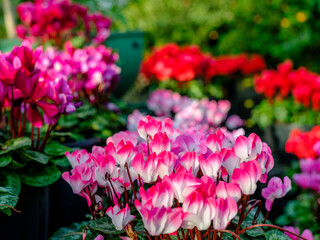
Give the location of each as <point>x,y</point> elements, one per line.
<point>81,177</point>
<point>120,217</point>
<point>247,176</point>
<point>307,234</point>
<point>200,211</point>
<point>226,210</point>
<point>99,237</point>
<point>182,183</point>
<point>266,162</point>
<point>248,148</point>
<point>160,143</point>
<point>190,161</point>
<point>149,127</point>
<point>159,195</point>
<point>230,161</point>
<point>160,220</point>
<point>77,157</point>
<point>275,189</point>
<point>225,190</point>
<point>211,166</point>
<point>104,165</point>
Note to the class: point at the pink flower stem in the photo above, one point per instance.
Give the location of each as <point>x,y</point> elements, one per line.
<point>258,202</point>
<point>169,238</point>
<point>115,193</point>
<point>182,233</point>
<point>215,234</point>
<point>1,105</point>
<point>133,190</point>
<point>198,233</point>
<point>266,217</point>
<point>12,114</point>
<point>38,138</point>
<point>234,234</point>
<point>243,209</point>
<point>139,177</point>
<point>46,137</point>
<point>148,145</point>
<point>126,195</point>
<point>32,137</point>
<point>20,126</point>
<point>271,226</point>
<point>192,234</point>
<point>24,119</point>
<point>92,204</point>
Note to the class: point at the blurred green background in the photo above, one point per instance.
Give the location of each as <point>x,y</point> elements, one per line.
<point>277,29</point>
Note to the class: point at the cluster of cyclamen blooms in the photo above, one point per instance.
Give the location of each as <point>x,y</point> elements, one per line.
<point>90,71</point>
<point>302,84</point>
<point>185,181</point>
<point>187,113</point>
<point>57,20</point>
<point>188,63</point>
<point>308,151</point>
<point>25,92</point>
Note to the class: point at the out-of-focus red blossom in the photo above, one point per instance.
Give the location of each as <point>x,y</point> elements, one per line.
<point>189,62</point>
<point>302,84</point>
<point>302,144</point>
<point>306,146</point>
<point>59,20</point>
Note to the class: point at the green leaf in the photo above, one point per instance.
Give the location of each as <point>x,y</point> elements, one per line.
<point>10,187</point>
<point>40,176</point>
<point>60,161</point>
<point>105,226</point>
<point>5,160</point>
<point>70,233</point>
<point>56,149</point>
<point>14,144</point>
<point>30,155</point>
<point>276,235</point>
<point>14,165</point>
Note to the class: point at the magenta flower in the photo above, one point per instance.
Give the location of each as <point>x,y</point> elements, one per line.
<point>182,183</point>
<point>81,177</point>
<point>211,165</point>
<point>275,190</point>
<point>160,220</point>
<point>307,234</point>
<point>200,211</point>
<point>248,148</point>
<point>225,211</point>
<point>120,217</point>
<point>149,127</point>
<point>225,190</point>
<point>78,157</point>
<point>247,176</point>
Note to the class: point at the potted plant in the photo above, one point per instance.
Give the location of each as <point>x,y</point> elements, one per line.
<point>161,182</point>
<point>292,100</point>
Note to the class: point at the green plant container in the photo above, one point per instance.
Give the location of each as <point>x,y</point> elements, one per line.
<point>6,45</point>
<point>130,46</point>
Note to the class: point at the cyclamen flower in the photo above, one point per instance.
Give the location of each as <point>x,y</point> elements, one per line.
<point>225,190</point>
<point>247,176</point>
<point>225,211</point>
<point>275,190</point>
<point>211,165</point>
<point>120,217</point>
<point>160,220</point>
<point>307,234</point>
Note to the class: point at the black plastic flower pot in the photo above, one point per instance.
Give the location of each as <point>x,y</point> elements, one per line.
<point>130,46</point>
<point>33,220</point>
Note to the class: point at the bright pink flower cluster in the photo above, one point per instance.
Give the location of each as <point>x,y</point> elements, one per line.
<point>306,146</point>
<point>188,63</point>
<point>28,94</point>
<point>91,72</point>
<point>302,84</point>
<point>185,180</point>
<point>60,20</point>
<point>302,144</point>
